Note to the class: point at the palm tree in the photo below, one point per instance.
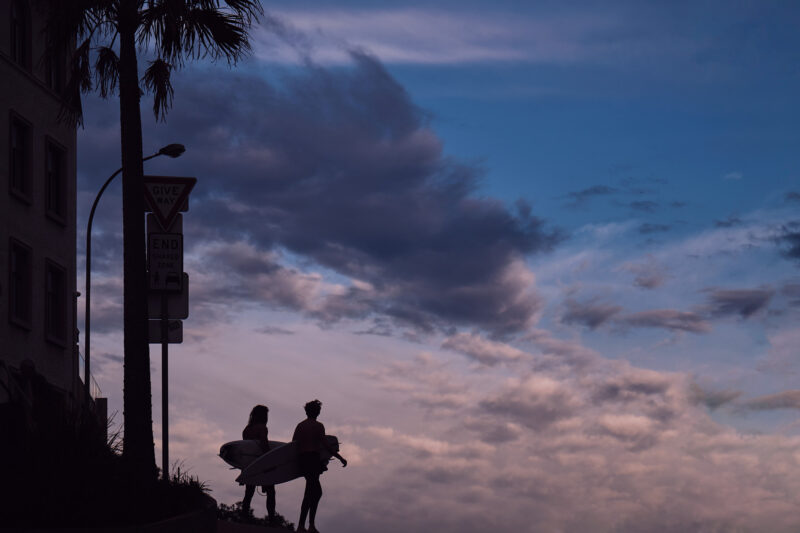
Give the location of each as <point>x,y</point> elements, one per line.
<point>169,32</point>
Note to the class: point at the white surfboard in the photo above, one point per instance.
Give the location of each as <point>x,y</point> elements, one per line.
<point>240,453</point>
<point>280,464</point>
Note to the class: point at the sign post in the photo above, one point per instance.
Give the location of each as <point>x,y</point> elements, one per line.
<point>166,196</point>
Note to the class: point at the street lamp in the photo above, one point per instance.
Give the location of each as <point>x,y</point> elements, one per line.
<point>171,150</point>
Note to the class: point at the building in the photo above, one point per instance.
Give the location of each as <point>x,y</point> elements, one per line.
<point>38,296</point>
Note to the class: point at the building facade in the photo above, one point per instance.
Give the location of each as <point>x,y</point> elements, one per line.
<point>38,297</point>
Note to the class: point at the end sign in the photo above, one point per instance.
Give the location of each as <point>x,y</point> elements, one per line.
<point>165,261</point>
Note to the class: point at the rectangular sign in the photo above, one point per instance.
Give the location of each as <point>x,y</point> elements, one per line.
<point>174,331</point>
<point>177,302</point>
<point>165,261</point>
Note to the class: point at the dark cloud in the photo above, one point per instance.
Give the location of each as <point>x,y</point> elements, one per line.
<point>589,314</point>
<point>713,399</point>
<point>577,198</point>
<point>789,240</point>
<point>274,330</point>
<point>648,274</point>
<point>648,228</point>
<point>677,204</point>
<point>342,170</point>
<point>792,292</point>
<point>729,222</point>
<point>632,387</point>
<point>670,319</point>
<point>742,302</point>
<point>783,400</point>
<point>792,196</point>
<point>646,206</point>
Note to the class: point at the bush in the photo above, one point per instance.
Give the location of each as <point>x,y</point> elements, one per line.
<point>233,513</point>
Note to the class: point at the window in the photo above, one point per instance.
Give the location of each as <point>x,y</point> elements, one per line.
<point>19,284</point>
<point>55,184</point>
<point>20,33</point>
<point>55,305</point>
<point>55,71</point>
<point>20,158</point>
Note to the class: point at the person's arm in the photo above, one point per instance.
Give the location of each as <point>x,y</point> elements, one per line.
<point>333,452</point>
<point>342,459</point>
<point>264,438</point>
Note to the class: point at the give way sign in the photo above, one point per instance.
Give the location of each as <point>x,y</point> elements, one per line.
<point>166,196</point>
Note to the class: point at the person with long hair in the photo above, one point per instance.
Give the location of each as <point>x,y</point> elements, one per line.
<point>257,430</point>
<point>310,438</point>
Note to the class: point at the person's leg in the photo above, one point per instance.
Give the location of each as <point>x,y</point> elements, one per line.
<point>248,497</point>
<point>305,506</point>
<point>270,491</point>
<point>316,495</point>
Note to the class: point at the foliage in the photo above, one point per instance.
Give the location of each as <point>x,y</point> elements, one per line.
<point>233,513</point>
<point>60,471</point>
<point>169,32</point>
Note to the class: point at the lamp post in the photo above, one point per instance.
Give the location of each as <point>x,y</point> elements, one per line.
<point>171,150</point>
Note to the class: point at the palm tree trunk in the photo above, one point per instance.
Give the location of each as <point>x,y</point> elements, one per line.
<point>138,425</point>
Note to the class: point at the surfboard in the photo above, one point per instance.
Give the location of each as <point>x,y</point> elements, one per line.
<point>280,465</point>
<point>240,453</point>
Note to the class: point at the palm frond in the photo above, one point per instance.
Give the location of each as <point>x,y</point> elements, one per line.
<point>106,69</point>
<point>157,81</point>
<point>79,79</point>
<point>189,29</point>
<point>248,10</point>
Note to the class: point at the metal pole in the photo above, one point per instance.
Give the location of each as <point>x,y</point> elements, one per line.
<point>87,375</point>
<point>87,316</point>
<point>164,388</point>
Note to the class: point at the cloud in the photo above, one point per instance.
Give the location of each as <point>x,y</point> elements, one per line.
<point>728,222</point>
<point>735,176</point>
<point>789,240</point>
<point>649,274</point>
<point>648,228</point>
<point>342,172</point>
<point>274,330</point>
<point>617,447</point>
<point>783,400</point>
<point>534,402</point>
<point>781,356</point>
<point>792,196</point>
<point>482,350</point>
<point>424,381</point>
<point>571,353</point>
<point>742,302</point>
<point>589,314</point>
<point>670,319</point>
<point>436,36</point>
<point>578,198</point>
<point>792,291</point>
<point>646,206</point>
<point>713,399</point>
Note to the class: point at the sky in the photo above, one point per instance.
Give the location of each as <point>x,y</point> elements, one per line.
<point>539,261</point>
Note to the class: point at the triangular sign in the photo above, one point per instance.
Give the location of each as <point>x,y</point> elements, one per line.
<point>166,195</point>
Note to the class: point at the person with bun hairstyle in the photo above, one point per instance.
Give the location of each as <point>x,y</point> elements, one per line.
<point>310,438</point>
<point>257,430</point>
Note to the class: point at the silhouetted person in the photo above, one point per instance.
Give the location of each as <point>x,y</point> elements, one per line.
<point>310,438</point>
<point>257,430</point>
